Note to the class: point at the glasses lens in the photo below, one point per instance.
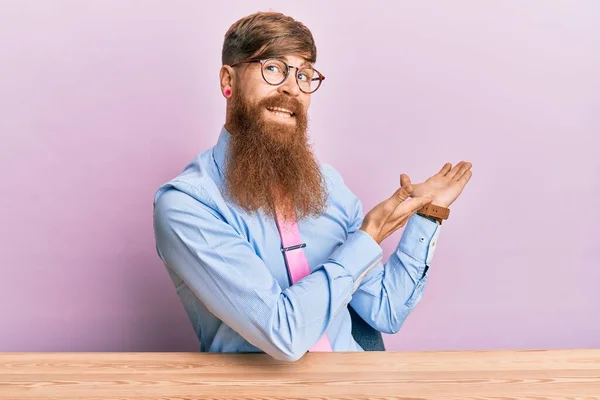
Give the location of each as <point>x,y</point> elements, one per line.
<point>309,80</point>
<point>274,71</point>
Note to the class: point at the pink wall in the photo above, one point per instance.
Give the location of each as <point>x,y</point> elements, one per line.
<point>101,101</point>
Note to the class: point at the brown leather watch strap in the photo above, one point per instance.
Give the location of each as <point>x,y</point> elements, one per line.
<point>437,212</point>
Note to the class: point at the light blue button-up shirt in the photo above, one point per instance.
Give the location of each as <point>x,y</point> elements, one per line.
<point>229,271</point>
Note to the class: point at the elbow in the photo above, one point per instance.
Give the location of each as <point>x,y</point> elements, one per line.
<point>286,355</point>
<point>399,320</point>
<point>284,339</point>
<point>395,322</point>
<point>291,357</point>
<point>393,329</point>
<point>289,349</point>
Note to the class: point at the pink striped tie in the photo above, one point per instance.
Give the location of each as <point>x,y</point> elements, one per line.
<point>297,263</point>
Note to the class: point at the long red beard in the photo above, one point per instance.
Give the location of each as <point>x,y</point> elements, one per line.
<point>271,166</point>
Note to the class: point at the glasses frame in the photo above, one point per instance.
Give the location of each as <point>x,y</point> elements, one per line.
<point>287,72</point>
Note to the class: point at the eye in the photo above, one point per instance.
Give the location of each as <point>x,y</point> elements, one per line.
<point>306,75</point>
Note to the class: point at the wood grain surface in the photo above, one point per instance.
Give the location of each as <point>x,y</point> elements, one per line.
<point>527,374</point>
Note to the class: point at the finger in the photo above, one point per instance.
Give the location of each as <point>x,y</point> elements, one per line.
<point>401,194</point>
<point>466,177</point>
<point>409,206</point>
<point>388,206</point>
<point>418,203</point>
<point>466,167</point>
<point>402,219</point>
<point>405,211</point>
<point>454,170</point>
<point>445,169</point>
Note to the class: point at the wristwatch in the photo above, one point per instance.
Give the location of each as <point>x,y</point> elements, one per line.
<point>434,213</point>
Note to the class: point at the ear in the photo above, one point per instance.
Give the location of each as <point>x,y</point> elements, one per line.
<point>226,76</point>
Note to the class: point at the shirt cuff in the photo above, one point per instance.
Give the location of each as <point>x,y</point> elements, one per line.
<point>357,255</point>
<point>419,239</point>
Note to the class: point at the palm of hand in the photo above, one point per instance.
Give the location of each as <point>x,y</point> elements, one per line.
<point>445,186</point>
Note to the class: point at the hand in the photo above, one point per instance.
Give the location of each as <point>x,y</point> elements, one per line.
<point>445,186</point>
<point>391,214</point>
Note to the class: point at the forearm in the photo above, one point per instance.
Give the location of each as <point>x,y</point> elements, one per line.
<point>302,312</point>
<point>226,274</point>
<point>391,291</point>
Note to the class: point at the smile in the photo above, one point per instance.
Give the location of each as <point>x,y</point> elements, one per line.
<point>282,112</point>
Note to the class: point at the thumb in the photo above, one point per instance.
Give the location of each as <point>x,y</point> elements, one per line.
<point>404,191</point>
<point>406,183</point>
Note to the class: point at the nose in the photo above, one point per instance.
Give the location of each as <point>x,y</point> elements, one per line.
<point>289,85</point>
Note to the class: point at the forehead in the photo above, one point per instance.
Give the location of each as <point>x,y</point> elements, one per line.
<point>295,60</point>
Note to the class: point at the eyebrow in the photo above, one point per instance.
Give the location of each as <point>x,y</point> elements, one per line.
<point>304,64</point>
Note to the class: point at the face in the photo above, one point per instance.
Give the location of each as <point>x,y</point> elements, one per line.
<point>271,162</point>
<point>281,109</point>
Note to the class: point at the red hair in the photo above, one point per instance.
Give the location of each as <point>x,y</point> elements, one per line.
<point>266,35</point>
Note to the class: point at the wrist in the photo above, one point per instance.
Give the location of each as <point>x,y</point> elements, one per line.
<point>434,212</point>
<point>370,232</point>
<point>440,203</point>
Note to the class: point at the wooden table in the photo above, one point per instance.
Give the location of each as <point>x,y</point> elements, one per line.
<point>540,374</point>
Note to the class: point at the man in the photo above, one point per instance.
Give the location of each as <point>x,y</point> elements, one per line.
<point>238,224</point>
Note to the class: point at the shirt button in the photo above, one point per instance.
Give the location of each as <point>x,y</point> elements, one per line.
<point>421,239</point>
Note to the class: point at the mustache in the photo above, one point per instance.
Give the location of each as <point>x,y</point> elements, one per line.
<point>286,102</point>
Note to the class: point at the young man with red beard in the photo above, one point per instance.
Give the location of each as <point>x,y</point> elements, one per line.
<point>268,249</point>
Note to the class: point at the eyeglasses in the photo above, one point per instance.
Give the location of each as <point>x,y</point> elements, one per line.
<point>275,72</point>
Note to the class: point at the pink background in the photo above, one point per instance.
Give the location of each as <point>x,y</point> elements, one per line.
<point>102,101</point>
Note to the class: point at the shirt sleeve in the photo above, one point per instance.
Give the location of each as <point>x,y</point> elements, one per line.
<point>391,290</point>
<point>225,273</point>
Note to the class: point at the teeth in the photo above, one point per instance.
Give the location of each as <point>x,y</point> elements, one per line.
<point>282,110</point>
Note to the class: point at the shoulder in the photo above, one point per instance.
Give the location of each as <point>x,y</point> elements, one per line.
<point>335,180</point>
<point>197,184</point>
<point>331,175</point>
<point>339,192</point>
